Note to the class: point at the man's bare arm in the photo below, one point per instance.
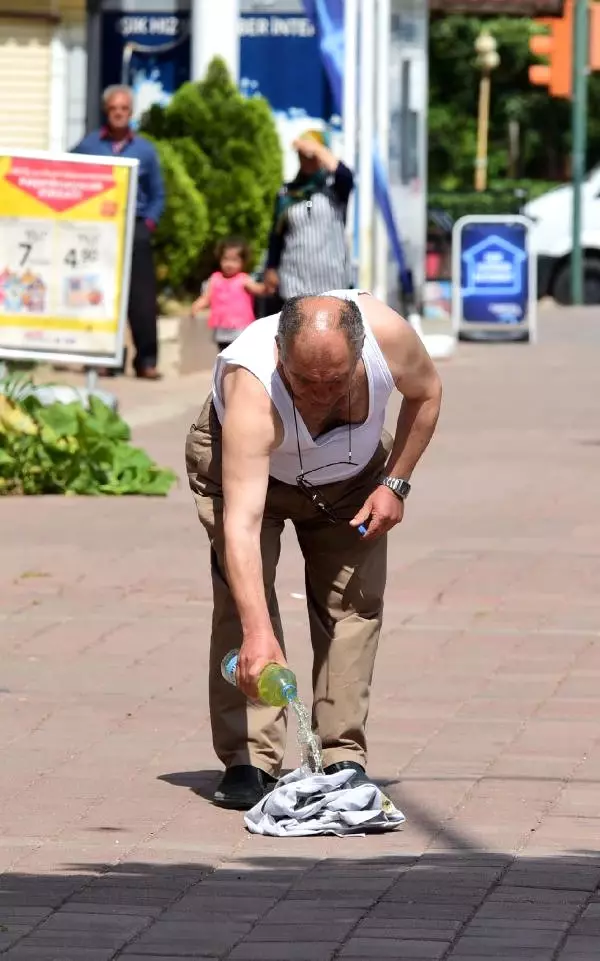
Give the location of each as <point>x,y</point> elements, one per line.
<point>417,379</point>
<point>249,435</point>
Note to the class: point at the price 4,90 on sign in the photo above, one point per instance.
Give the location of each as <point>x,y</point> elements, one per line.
<point>80,257</point>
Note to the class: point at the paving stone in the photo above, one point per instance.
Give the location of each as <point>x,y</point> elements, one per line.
<point>283,951</point>
<point>490,926</point>
<point>511,910</point>
<point>364,948</point>
<point>144,912</point>
<point>514,940</point>
<point>577,947</point>
<point>334,930</point>
<point>295,912</point>
<point>190,937</point>
<point>505,947</point>
<point>403,930</point>
<point>39,952</point>
<point>421,912</point>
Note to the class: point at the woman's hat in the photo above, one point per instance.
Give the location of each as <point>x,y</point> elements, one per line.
<point>319,135</point>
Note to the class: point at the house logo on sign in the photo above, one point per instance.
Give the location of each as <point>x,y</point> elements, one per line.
<point>493,268</point>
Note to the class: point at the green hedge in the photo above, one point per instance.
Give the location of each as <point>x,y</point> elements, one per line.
<point>501,198</point>
<point>183,230</point>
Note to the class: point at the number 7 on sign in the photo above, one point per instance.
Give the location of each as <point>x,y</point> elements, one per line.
<point>26,248</point>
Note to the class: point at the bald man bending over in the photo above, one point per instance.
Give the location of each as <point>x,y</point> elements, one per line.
<point>293,430</point>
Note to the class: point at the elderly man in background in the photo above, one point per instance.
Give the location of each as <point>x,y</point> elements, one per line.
<point>293,430</point>
<point>116,139</point>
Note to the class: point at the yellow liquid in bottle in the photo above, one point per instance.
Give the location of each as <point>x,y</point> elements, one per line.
<point>277,685</point>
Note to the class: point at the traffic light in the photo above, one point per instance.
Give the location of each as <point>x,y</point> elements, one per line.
<point>594,36</point>
<point>556,46</point>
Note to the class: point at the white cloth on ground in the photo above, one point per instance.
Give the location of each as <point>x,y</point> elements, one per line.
<point>322,804</point>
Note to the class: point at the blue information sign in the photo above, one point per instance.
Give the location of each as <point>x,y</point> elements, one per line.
<point>493,278</point>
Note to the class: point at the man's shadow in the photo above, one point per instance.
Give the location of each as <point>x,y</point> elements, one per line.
<point>202,783</point>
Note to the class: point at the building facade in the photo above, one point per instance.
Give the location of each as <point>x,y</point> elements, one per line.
<point>42,73</point>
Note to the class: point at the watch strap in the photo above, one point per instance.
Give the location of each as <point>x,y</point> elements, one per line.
<point>399,486</point>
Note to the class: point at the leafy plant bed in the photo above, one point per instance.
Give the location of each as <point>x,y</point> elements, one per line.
<point>71,449</point>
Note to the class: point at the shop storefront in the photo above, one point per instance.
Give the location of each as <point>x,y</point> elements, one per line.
<point>42,73</point>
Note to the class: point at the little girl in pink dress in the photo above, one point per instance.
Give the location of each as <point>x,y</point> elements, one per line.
<point>229,293</point>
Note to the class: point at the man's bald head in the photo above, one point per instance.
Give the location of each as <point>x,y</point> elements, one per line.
<point>320,327</point>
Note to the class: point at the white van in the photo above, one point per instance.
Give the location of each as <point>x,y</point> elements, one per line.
<point>551,239</point>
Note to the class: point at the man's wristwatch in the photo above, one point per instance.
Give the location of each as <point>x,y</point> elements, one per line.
<point>401,488</point>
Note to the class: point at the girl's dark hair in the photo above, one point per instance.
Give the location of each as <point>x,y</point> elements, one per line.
<point>234,243</point>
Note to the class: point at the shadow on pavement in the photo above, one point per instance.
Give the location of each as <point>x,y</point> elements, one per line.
<point>290,908</point>
<point>202,783</point>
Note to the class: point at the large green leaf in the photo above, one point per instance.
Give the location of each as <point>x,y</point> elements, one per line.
<point>62,419</point>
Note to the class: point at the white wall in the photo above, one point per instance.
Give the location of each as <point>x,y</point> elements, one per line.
<point>215,33</point>
<point>66,120</point>
<point>76,80</point>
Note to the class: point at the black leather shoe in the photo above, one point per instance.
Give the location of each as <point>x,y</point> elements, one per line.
<point>242,787</point>
<point>360,776</point>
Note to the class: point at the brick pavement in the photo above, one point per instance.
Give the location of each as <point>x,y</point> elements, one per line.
<point>484,723</point>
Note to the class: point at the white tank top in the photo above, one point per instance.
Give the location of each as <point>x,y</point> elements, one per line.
<point>254,349</point>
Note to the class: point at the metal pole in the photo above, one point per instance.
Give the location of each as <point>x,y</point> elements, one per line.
<point>91,379</point>
<point>483,131</point>
<point>349,105</point>
<point>350,81</point>
<point>383,123</point>
<point>365,142</point>
<point>579,117</point>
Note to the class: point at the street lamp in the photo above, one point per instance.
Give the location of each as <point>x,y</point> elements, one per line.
<point>487,60</point>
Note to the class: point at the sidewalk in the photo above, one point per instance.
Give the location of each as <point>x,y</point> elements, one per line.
<point>484,720</point>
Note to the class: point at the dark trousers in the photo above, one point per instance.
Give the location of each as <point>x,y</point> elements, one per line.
<point>267,305</point>
<point>142,299</point>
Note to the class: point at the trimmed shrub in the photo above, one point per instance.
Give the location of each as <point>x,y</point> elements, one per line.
<point>182,232</point>
<point>503,197</point>
<point>231,152</point>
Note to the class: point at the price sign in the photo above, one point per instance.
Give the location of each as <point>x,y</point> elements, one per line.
<point>66,228</point>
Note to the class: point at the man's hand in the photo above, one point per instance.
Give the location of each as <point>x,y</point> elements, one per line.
<point>255,653</point>
<point>384,509</point>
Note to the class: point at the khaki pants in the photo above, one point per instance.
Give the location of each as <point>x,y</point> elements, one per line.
<point>345,581</point>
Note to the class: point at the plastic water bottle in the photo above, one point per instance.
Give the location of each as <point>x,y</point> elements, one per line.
<point>277,685</point>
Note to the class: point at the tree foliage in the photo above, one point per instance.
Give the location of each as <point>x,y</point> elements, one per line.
<point>543,121</point>
<point>183,230</point>
<point>230,150</point>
